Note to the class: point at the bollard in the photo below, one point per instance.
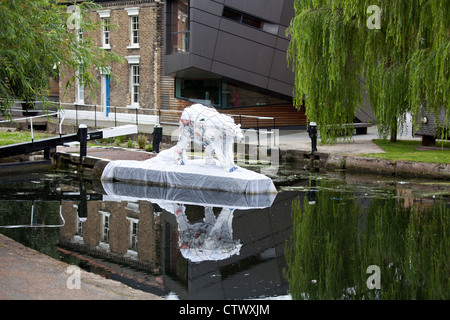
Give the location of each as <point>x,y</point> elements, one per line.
<point>157,137</point>
<point>312,132</point>
<point>311,194</point>
<point>82,138</point>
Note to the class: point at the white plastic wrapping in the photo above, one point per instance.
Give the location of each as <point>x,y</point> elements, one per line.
<point>166,197</point>
<point>211,129</point>
<point>194,174</point>
<point>208,240</point>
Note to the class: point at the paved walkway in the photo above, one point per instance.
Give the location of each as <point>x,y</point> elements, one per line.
<point>359,144</point>
<point>26,274</point>
<point>287,140</point>
<point>110,153</point>
<point>299,139</point>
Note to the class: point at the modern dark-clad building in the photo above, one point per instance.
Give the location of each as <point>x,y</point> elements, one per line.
<point>232,54</point>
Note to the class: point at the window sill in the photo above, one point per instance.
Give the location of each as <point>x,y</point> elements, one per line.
<point>133,106</point>
<point>106,47</point>
<point>134,46</point>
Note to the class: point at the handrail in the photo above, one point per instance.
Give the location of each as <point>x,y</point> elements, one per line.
<point>31,117</point>
<point>137,110</point>
<point>38,116</point>
<point>158,112</point>
<point>129,108</point>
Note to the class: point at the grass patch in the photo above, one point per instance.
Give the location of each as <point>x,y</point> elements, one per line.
<point>406,150</point>
<point>7,138</point>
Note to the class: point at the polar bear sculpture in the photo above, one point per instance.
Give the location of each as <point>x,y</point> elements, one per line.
<point>209,240</point>
<point>215,131</point>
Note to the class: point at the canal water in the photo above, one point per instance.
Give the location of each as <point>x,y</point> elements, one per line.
<point>323,236</point>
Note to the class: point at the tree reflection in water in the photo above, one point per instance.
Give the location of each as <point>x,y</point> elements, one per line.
<point>335,239</point>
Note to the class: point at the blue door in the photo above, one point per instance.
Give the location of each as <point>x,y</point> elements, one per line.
<point>108,93</point>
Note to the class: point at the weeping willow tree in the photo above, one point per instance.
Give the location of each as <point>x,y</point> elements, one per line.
<point>37,37</point>
<point>402,60</point>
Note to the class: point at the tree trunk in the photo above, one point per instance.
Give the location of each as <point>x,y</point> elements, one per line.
<point>394,133</point>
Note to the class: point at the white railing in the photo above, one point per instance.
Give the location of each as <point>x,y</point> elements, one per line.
<point>57,113</point>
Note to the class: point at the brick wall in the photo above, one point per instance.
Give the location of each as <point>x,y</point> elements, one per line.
<point>150,52</point>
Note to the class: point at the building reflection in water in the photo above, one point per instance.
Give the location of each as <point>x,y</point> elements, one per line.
<point>198,244</point>
<point>125,232</point>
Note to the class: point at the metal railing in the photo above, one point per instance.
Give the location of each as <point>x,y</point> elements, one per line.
<point>134,115</point>
<point>57,113</point>
<point>140,111</point>
<point>132,112</point>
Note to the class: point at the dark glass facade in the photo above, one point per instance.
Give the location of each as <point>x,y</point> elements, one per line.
<point>223,93</point>
<point>237,40</point>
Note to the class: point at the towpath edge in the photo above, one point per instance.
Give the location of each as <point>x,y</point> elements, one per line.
<point>26,274</point>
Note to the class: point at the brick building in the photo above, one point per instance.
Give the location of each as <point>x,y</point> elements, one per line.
<point>133,30</point>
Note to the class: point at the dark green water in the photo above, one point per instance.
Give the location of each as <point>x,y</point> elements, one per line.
<point>322,236</point>
<point>338,242</point>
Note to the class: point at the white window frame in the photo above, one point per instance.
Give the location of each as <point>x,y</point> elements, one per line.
<point>106,34</point>
<point>80,86</point>
<point>106,226</point>
<point>105,15</point>
<point>135,85</point>
<point>134,31</point>
<point>133,244</point>
<point>133,13</point>
<point>133,61</point>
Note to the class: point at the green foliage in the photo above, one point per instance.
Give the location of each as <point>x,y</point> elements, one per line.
<point>404,65</point>
<point>334,240</point>
<point>36,44</point>
<point>130,143</point>
<point>7,138</point>
<point>142,140</point>
<point>407,151</point>
<point>121,139</point>
<point>324,71</point>
<point>45,240</point>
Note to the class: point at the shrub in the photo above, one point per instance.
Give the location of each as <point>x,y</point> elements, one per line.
<point>129,143</point>
<point>142,140</point>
